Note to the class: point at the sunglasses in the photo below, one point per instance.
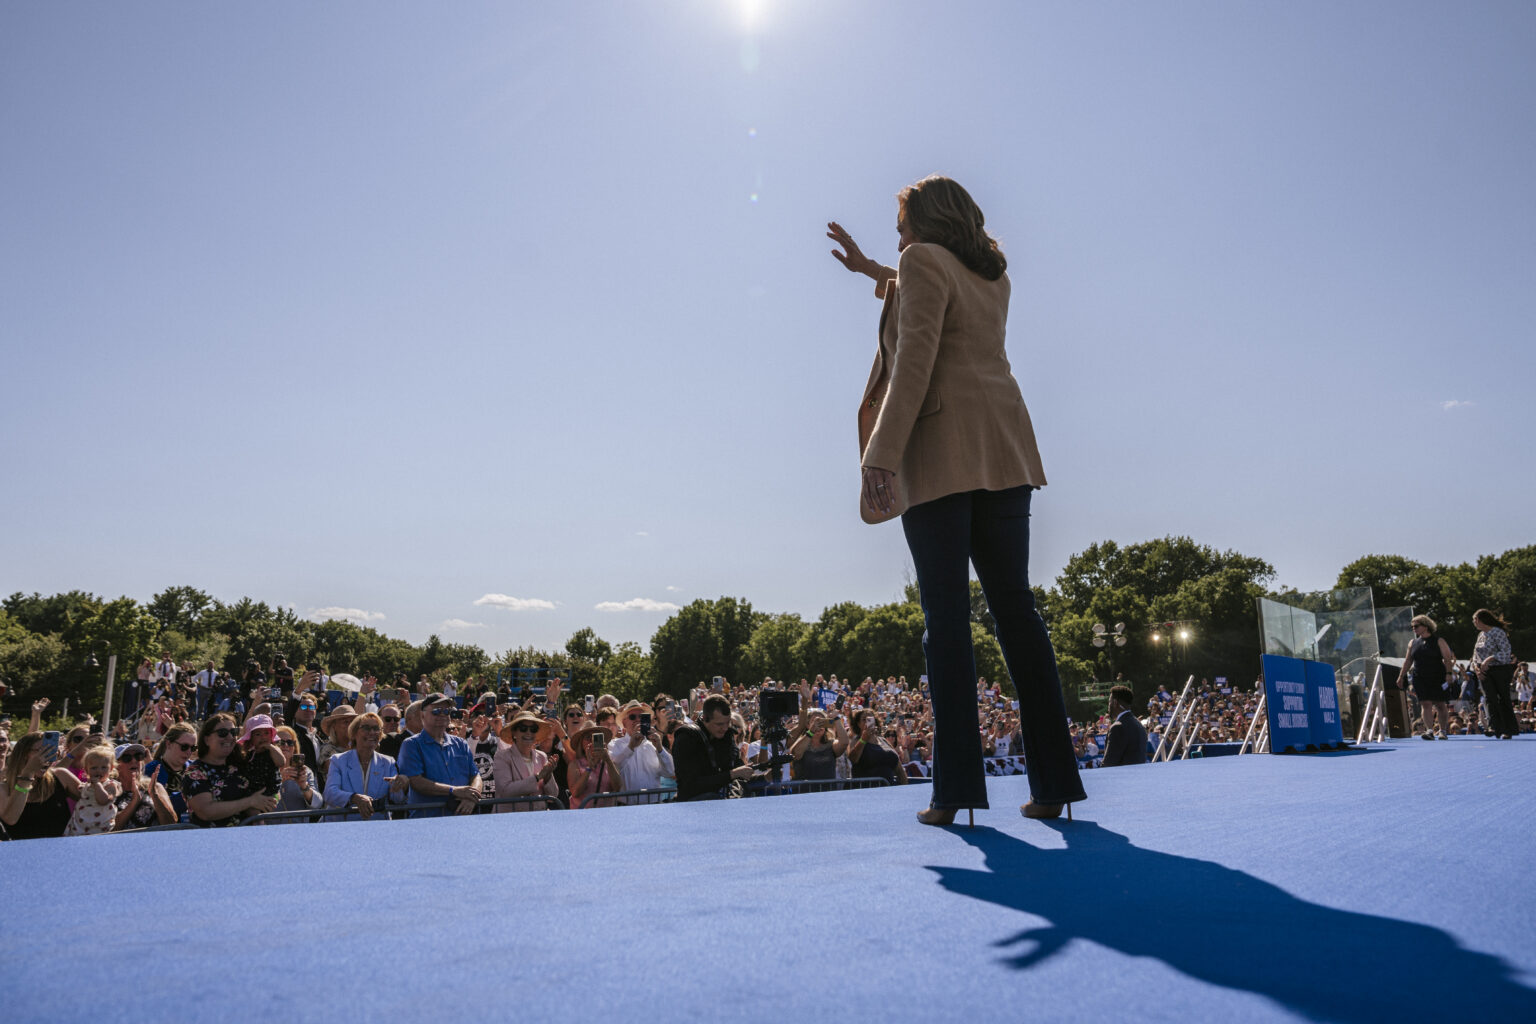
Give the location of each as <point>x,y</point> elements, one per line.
<point>531,730</point>
<point>306,707</point>
<point>391,718</point>
<point>287,743</point>
<point>631,718</point>
<point>77,739</point>
<point>184,746</point>
<point>442,712</point>
<point>222,734</point>
<point>369,728</point>
<point>133,758</point>
<point>573,714</point>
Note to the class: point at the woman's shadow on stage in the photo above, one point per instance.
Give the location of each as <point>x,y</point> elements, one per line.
<point>1229,928</point>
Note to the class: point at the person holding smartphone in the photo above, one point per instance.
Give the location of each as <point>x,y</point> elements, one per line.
<point>34,799</point>
<point>641,761</point>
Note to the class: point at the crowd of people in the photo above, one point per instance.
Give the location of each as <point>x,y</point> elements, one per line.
<point>200,747</point>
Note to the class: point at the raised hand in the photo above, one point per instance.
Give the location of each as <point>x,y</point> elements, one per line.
<point>854,258</point>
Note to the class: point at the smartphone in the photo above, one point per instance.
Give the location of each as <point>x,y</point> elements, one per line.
<point>275,693</point>
<point>717,683</point>
<point>590,702</point>
<point>645,725</point>
<point>457,714</point>
<point>489,700</point>
<point>50,746</point>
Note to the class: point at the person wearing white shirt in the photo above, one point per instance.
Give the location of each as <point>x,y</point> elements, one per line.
<point>450,688</point>
<point>641,763</point>
<point>165,670</point>
<point>205,682</point>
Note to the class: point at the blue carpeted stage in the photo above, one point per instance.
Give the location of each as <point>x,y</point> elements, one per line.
<point>1393,883</point>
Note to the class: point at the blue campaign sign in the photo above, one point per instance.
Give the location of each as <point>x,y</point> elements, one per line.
<point>1323,704</point>
<point>826,698</point>
<point>1285,692</point>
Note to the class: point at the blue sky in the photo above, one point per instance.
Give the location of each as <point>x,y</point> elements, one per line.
<point>499,320</point>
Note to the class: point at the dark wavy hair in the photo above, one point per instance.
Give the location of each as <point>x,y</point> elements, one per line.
<point>938,210</point>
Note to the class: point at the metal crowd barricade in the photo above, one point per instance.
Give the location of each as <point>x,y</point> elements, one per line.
<point>630,797</point>
<point>813,786</point>
<point>390,810</point>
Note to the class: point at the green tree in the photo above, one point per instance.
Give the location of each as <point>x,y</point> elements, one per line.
<point>183,609</point>
<point>33,666</point>
<point>1509,581</point>
<point>888,640</point>
<point>704,639</point>
<point>772,649</point>
<point>263,639</point>
<point>821,650</point>
<point>213,647</point>
<point>58,614</point>
<point>628,674</point>
<point>588,652</point>
<point>1207,592</point>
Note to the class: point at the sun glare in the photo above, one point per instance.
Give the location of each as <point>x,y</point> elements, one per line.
<point>751,12</point>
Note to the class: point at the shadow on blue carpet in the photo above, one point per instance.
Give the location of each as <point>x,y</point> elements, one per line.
<point>1243,934</point>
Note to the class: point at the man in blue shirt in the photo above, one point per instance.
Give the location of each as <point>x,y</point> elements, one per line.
<point>439,765</point>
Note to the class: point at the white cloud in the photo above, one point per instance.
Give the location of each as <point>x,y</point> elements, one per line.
<point>516,604</point>
<point>1455,403</point>
<point>641,533</point>
<point>636,604</point>
<point>673,589</point>
<point>461,624</point>
<point>349,614</point>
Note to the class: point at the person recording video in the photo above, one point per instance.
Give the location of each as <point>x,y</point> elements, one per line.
<point>706,756</point>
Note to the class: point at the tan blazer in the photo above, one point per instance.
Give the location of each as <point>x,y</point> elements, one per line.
<point>942,409</point>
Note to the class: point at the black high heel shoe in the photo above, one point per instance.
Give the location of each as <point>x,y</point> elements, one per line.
<point>1045,811</point>
<point>941,816</point>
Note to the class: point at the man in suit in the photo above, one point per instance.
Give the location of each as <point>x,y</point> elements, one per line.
<point>1127,742</point>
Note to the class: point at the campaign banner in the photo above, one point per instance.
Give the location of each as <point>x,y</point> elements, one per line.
<point>1286,703</point>
<point>1003,765</point>
<point>826,698</point>
<point>1323,706</point>
<point>995,766</point>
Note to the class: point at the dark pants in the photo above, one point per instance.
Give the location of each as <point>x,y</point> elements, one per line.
<point>1501,711</point>
<point>991,530</point>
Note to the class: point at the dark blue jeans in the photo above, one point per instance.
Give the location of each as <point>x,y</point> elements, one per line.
<point>991,530</point>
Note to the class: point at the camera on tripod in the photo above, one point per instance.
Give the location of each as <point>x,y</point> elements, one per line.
<point>773,706</point>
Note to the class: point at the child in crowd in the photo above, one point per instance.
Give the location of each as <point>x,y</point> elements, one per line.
<point>97,805</point>
<point>265,759</point>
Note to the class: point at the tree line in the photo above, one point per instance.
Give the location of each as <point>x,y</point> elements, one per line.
<point>1206,596</point>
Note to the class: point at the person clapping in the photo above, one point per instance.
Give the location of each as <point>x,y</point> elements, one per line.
<point>362,778</point>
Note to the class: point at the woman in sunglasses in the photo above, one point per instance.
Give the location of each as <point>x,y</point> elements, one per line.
<point>218,791</point>
<point>142,801</point>
<point>71,747</point>
<point>34,801</point>
<point>521,768</point>
<point>171,758</point>
<point>299,790</point>
<point>362,778</point>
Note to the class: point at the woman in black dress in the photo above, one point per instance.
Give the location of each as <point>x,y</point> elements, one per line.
<point>1429,666</point>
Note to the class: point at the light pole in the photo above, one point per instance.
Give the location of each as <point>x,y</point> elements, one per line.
<point>1172,633</point>
<point>106,707</point>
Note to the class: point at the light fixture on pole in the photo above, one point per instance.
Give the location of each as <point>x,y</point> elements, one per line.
<point>1102,637</point>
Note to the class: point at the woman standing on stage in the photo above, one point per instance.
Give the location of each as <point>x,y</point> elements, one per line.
<point>1431,670</point>
<point>1494,662</point>
<point>947,444</point>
